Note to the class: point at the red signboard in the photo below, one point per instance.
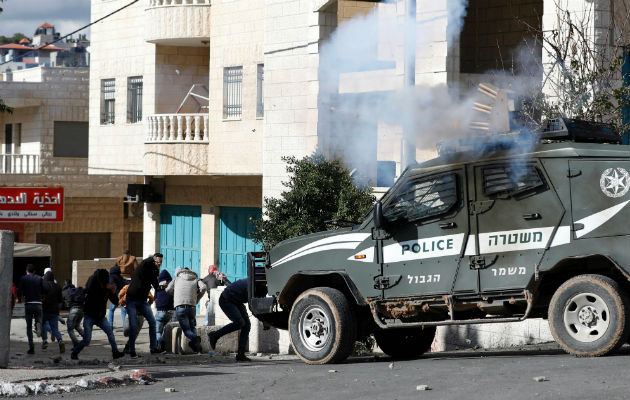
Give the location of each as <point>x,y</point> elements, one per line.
<point>31,204</point>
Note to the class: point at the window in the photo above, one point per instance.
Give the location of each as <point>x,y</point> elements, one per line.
<point>134,99</point>
<point>424,198</point>
<point>70,139</point>
<point>232,92</point>
<point>510,179</point>
<point>108,101</point>
<point>260,78</point>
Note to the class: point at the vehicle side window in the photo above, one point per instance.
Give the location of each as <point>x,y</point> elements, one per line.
<point>511,179</point>
<point>423,198</point>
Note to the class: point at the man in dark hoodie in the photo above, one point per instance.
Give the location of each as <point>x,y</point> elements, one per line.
<point>232,302</point>
<point>164,306</point>
<point>50,307</point>
<point>144,277</point>
<point>97,292</point>
<point>116,279</point>
<point>30,290</point>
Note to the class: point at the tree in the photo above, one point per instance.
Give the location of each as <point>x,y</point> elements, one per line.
<point>319,190</point>
<point>582,72</point>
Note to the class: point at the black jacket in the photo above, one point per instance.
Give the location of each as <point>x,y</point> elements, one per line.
<point>116,278</point>
<point>65,293</point>
<point>97,294</point>
<point>31,287</point>
<point>163,300</point>
<point>52,295</point>
<point>145,276</point>
<point>236,292</point>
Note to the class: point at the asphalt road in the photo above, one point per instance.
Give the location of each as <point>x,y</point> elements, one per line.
<point>453,375</point>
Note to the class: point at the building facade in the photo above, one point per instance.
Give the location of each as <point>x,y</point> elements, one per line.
<point>44,143</point>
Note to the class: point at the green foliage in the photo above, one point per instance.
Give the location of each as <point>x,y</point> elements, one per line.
<point>11,39</point>
<point>319,190</point>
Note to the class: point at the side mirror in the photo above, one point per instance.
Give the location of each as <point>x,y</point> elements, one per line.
<point>378,215</point>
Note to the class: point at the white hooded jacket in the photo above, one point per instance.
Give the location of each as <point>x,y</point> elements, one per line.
<point>186,288</point>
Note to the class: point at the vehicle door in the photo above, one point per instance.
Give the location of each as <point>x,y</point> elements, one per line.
<point>515,214</point>
<point>426,224</point>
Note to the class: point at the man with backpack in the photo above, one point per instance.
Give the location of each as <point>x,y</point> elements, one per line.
<point>187,289</point>
<point>97,291</point>
<point>74,298</point>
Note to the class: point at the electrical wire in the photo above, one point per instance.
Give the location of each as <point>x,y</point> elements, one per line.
<point>71,33</point>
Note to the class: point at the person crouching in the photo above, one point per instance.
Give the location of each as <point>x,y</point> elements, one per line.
<point>186,290</point>
<point>97,291</point>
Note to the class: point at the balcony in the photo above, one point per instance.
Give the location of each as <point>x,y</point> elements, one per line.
<point>19,164</point>
<point>176,144</point>
<point>178,22</point>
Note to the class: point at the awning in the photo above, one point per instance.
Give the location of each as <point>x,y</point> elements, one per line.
<point>31,250</point>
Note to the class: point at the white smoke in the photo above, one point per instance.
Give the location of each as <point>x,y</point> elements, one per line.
<point>364,104</point>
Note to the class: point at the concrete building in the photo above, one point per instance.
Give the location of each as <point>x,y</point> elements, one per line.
<point>44,143</point>
<point>280,78</point>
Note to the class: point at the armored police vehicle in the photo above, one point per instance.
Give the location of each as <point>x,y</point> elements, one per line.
<point>495,233</point>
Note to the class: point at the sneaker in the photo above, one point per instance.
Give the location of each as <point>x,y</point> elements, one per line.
<point>117,354</point>
<point>212,340</point>
<point>62,348</point>
<point>44,345</point>
<point>62,321</point>
<point>133,354</point>
<point>195,344</point>
<point>242,357</point>
<point>157,351</point>
<point>30,351</point>
<point>74,356</point>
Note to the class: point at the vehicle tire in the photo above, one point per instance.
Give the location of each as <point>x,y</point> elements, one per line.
<point>405,343</point>
<point>322,326</point>
<point>588,316</point>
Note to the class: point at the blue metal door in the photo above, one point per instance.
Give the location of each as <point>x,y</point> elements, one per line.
<point>180,237</point>
<point>235,243</point>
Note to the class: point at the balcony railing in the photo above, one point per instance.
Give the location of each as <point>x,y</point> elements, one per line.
<point>19,164</point>
<point>177,128</point>
<point>161,3</point>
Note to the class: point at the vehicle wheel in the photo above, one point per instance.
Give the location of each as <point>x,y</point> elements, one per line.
<point>322,326</point>
<point>405,343</point>
<point>588,316</point>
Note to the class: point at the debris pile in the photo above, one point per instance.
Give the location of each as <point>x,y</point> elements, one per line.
<point>138,377</point>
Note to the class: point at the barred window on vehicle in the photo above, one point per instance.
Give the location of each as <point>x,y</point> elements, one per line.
<point>108,101</point>
<point>134,99</point>
<point>511,179</point>
<point>260,78</point>
<point>423,199</point>
<point>232,92</point>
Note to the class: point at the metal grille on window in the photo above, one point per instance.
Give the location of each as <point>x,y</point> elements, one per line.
<point>108,101</point>
<point>512,179</point>
<point>134,99</point>
<point>232,92</point>
<point>424,199</point>
<point>260,108</point>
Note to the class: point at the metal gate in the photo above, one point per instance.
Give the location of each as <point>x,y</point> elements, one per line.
<point>180,237</point>
<point>236,225</point>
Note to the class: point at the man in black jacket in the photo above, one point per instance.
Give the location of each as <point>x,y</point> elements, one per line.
<point>232,302</point>
<point>30,290</point>
<point>50,307</point>
<point>97,291</point>
<point>144,277</point>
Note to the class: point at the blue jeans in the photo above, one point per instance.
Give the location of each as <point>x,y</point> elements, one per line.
<point>161,319</point>
<point>88,324</point>
<point>32,312</point>
<point>142,307</point>
<point>52,321</point>
<point>186,318</point>
<point>123,314</point>
<point>237,313</point>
